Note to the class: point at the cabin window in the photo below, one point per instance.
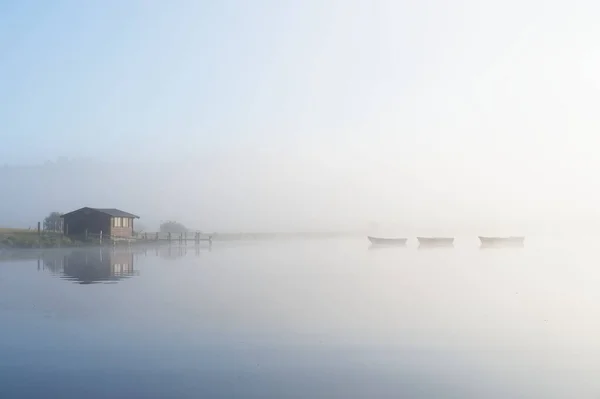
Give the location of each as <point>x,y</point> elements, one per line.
<point>125,222</point>
<point>117,222</point>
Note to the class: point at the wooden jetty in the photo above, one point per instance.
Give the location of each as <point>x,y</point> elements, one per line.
<point>196,237</point>
<point>149,238</point>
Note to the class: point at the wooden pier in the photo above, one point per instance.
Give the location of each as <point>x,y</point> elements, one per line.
<point>180,238</point>
<point>153,238</point>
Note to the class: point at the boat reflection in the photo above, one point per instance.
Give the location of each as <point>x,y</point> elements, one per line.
<point>435,245</point>
<point>502,245</point>
<point>435,242</point>
<point>101,265</point>
<point>374,247</point>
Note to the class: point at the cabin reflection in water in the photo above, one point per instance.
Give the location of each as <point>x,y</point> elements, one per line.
<point>93,266</point>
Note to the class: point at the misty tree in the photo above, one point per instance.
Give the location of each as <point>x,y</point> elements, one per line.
<point>172,227</point>
<point>53,222</point>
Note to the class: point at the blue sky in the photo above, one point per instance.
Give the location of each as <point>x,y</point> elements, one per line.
<point>485,101</point>
<point>89,79</point>
<point>86,79</point>
<point>149,79</point>
<point>142,79</point>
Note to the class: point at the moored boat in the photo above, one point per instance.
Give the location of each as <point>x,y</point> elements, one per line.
<point>512,240</point>
<point>436,240</point>
<point>387,241</point>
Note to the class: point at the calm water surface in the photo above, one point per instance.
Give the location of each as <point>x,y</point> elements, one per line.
<point>302,319</point>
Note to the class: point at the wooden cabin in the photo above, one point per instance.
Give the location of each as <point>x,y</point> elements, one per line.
<point>109,221</point>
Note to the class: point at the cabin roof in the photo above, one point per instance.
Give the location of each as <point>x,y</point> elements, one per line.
<point>108,211</point>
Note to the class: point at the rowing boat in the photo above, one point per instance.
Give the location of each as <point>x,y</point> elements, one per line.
<point>387,241</point>
<point>436,240</point>
<point>512,240</point>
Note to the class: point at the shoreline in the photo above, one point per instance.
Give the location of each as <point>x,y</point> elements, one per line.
<point>31,239</point>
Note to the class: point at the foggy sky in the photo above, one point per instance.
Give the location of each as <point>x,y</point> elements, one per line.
<point>304,115</point>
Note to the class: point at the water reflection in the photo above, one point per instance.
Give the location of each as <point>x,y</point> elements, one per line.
<point>501,245</point>
<point>430,246</point>
<point>91,266</point>
<point>303,319</point>
<point>99,265</point>
<point>173,252</point>
<point>373,247</point>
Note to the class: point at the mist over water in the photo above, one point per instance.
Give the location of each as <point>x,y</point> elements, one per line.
<point>413,116</point>
<point>387,118</point>
<point>243,193</point>
<point>325,318</point>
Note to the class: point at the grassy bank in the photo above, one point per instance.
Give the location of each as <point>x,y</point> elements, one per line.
<point>23,238</point>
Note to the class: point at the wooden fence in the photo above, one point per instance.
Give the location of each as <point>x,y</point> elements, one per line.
<point>194,236</point>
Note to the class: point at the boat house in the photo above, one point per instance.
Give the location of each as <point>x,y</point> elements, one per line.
<point>109,221</point>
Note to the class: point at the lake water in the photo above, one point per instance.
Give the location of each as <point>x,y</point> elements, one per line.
<point>302,319</point>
